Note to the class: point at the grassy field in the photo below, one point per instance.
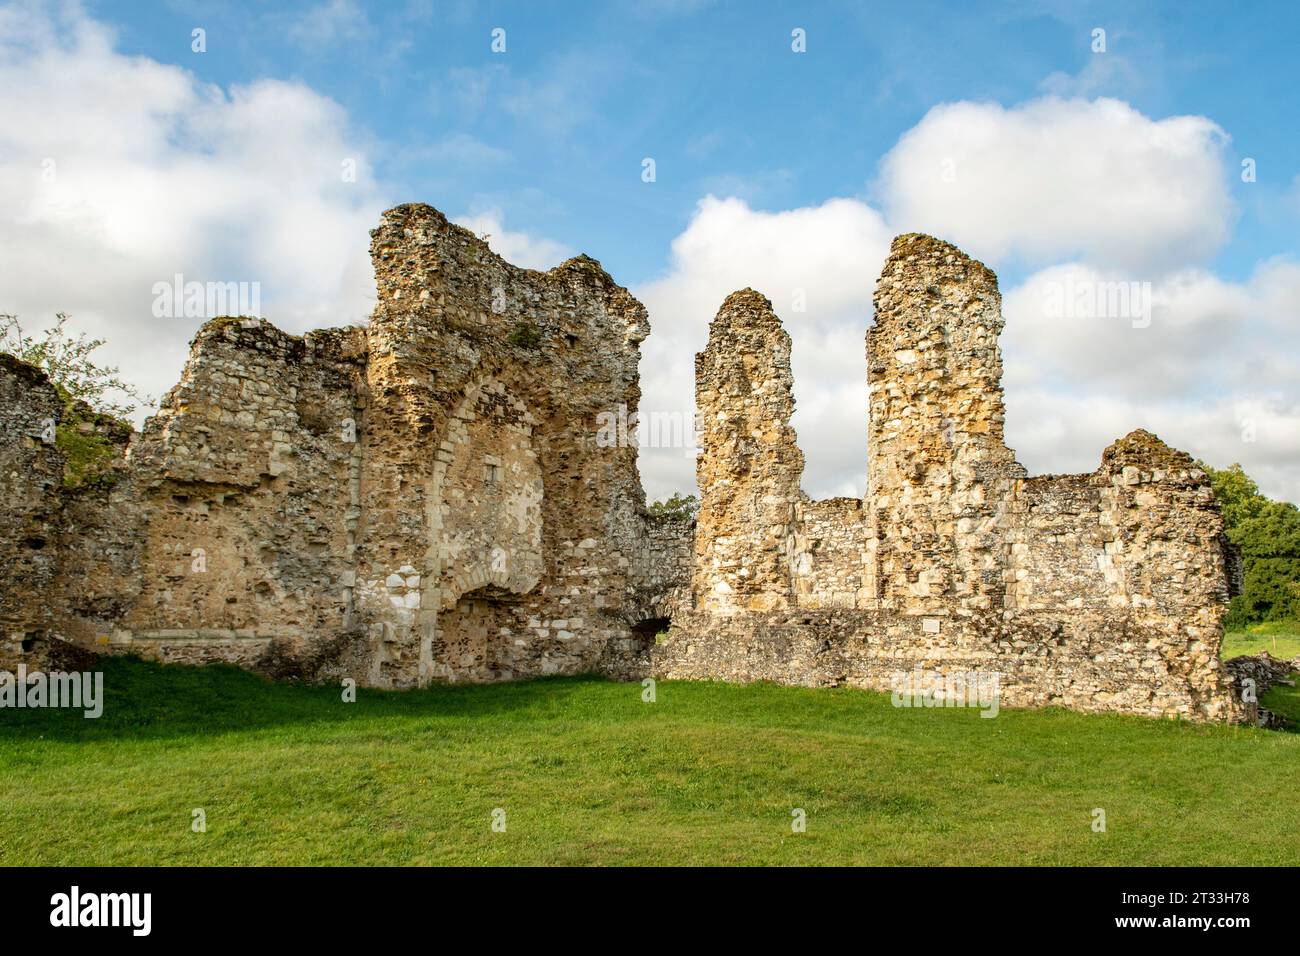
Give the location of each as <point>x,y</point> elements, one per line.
<point>1279,638</point>
<point>587,773</point>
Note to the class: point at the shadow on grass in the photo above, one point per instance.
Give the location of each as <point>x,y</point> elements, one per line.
<point>1285,702</point>
<point>145,700</point>
<point>148,700</point>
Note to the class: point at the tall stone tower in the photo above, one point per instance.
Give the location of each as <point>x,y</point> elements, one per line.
<point>749,465</point>
<point>938,469</point>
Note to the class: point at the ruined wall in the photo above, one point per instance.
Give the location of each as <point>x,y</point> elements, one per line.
<point>833,566</point>
<point>31,472</point>
<point>484,491</point>
<point>422,499</point>
<point>938,470</point>
<point>236,499</point>
<point>1141,533</point>
<point>749,464</point>
<point>428,498</point>
<point>663,564</point>
<point>1099,592</point>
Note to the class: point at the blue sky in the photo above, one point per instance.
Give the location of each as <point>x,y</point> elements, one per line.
<point>554,130</point>
<point>997,126</point>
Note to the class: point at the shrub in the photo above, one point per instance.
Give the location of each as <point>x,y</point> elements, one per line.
<point>525,335</point>
<point>679,506</point>
<point>96,400</point>
<point>1268,534</point>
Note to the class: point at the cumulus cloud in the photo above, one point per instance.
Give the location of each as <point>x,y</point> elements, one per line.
<point>117,172</point>
<point>1211,369</point>
<point>1056,179</point>
<point>1143,338</point>
<point>518,248</point>
<point>1058,431</point>
<point>1110,202</point>
<point>818,266</point>
<point>1208,364</point>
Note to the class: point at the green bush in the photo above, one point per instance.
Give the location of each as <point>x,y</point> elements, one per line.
<point>679,506</point>
<point>1268,534</point>
<point>87,457</point>
<point>525,335</point>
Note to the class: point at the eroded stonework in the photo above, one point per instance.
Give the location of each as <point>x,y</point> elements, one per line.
<point>1101,592</point>
<point>426,499</point>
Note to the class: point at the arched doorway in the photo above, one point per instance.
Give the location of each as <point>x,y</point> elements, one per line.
<point>485,519</point>
<point>474,639</point>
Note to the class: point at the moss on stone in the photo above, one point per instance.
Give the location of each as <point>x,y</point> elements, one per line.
<point>525,335</point>
<point>87,457</point>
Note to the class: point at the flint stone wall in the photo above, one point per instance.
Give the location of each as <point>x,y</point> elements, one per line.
<point>421,499</point>
<point>1100,592</point>
<point>31,473</point>
<point>428,499</point>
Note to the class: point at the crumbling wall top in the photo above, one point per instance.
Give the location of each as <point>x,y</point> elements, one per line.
<point>916,260</point>
<point>1141,448</point>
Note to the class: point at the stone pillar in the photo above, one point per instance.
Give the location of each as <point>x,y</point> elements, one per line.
<point>31,477</point>
<point>749,465</point>
<point>939,472</point>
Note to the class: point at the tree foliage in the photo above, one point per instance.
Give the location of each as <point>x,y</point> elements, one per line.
<point>1268,534</point>
<point>96,399</point>
<point>67,360</point>
<point>678,506</point>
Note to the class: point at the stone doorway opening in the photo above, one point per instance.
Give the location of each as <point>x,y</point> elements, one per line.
<point>474,639</point>
<point>653,629</point>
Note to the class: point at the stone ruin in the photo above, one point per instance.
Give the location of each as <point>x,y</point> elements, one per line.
<point>426,499</point>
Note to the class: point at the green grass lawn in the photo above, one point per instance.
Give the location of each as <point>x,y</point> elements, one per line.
<point>587,773</point>
<point>1279,638</point>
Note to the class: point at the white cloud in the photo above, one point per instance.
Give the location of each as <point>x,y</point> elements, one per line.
<point>1202,335</point>
<point>1213,373</point>
<point>826,256</point>
<point>1105,73</point>
<point>517,248</point>
<point>1053,179</point>
<point>117,172</point>
<point>1059,431</point>
<point>329,22</point>
<point>1156,342</point>
<point>156,172</point>
<point>1137,200</point>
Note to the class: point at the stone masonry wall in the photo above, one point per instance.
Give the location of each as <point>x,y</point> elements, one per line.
<point>749,461</point>
<point>496,534</point>
<point>31,472</point>
<point>427,499</point>
<point>236,501</point>
<point>832,566</point>
<point>421,499</point>
<point>1101,592</point>
<point>938,471</point>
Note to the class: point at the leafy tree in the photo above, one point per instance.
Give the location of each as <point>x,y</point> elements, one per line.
<point>1268,534</point>
<point>68,363</point>
<point>1239,497</point>
<point>96,399</point>
<point>678,506</point>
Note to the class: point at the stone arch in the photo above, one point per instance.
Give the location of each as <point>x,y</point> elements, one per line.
<point>473,639</point>
<point>485,530</point>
